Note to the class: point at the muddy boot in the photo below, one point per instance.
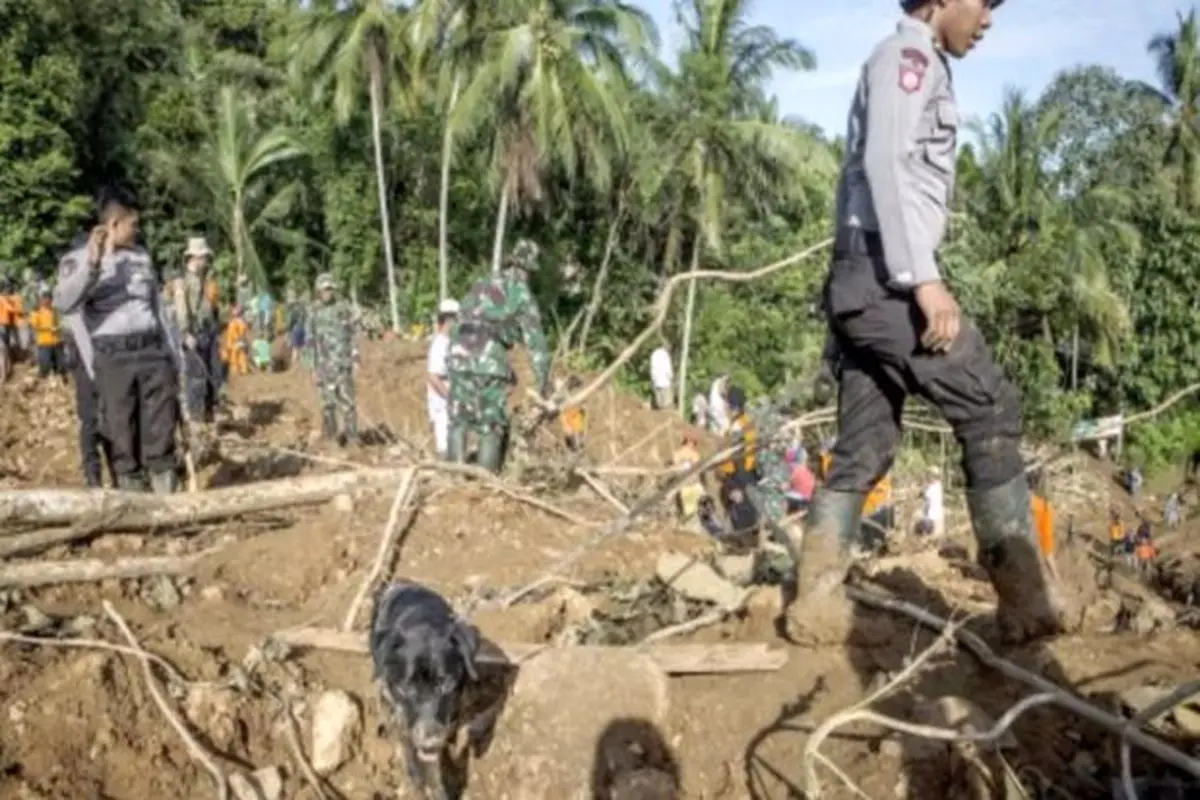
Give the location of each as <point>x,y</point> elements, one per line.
<point>491,452</point>
<point>91,474</point>
<point>456,445</point>
<point>821,613</point>
<point>1033,601</point>
<point>166,482</point>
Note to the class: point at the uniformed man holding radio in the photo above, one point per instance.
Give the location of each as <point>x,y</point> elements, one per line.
<point>110,284</point>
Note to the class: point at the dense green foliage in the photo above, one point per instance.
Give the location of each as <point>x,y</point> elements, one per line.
<point>277,129</point>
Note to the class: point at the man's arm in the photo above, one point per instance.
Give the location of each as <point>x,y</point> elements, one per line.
<point>901,77</point>
<point>76,277</point>
<point>532,335</point>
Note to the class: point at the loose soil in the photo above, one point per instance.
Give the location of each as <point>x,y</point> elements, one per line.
<point>81,724</point>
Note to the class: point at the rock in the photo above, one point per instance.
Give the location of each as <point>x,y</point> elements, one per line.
<point>161,594</point>
<point>698,581</point>
<point>336,725</point>
<point>263,784</point>
<point>342,503</point>
<point>213,710</point>
<point>1084,765</point>
<point>546,741</point>
<point>891,748</point>
<point>739,569</point>
<point>1188,720</point>
<point>1138,698</point>
<point>35,620</point>
<point>212,594</point>
<point>82,625</point>
<point>575,609</point>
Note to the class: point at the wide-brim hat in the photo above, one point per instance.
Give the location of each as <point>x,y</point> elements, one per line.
<point>198,247</point>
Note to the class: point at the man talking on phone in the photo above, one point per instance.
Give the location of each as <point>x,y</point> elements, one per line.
<point>110,284</point>
<point>899,332</point>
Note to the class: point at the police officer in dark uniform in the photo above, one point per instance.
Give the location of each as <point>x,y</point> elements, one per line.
<point>111,285</point>
<point>899,331</point>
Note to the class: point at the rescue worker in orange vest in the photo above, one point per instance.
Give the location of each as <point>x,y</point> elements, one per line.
<point>1043,515</point>
<point>686,456</point>
<point>47,337</point>
<point>741,469</point>
<point>5,327</point>
<point>236,345</point>
<point>1145,551</point>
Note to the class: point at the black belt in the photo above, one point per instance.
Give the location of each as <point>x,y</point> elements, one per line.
<point>128,343</point>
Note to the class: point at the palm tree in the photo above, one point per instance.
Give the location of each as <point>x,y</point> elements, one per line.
<point>351,43</point>
<point>453,32</point>
<point>714,121</point>
<point>1177,57</point>
<point>550,83</point>
<point>229,173</point>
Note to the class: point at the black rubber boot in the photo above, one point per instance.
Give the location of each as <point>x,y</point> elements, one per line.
<point>491,452</point>
<point>821,613</point>
<point>329,424</point>
<point>1033,603</point>
<point>456,444</point>
<point>135,482</point>
<point>351,427</point>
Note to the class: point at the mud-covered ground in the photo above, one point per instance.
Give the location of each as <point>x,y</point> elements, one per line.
<point>80,723</point>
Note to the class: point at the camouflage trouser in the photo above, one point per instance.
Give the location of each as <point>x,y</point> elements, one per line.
<point>479,402</point>
<point>337,399</point>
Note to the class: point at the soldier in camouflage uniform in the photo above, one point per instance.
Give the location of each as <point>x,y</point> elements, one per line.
<point>769,492</point>
<point>331,340</point>
<point>497,312</point>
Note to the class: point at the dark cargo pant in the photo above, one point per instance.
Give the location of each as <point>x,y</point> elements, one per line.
<point>137,386</point>
<point>878,332</point>
<point>91,442</point>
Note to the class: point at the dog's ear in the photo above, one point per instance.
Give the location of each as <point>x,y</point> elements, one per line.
<point>466,639</point>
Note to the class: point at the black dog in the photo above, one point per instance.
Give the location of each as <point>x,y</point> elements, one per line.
<point>424,658</point>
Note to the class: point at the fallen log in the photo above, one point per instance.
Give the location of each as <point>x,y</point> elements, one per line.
<point>674,659</point>
<point>137,511</point>
<point>24,575</point>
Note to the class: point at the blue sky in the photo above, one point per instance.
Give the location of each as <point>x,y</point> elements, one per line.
<point>1030,41</point>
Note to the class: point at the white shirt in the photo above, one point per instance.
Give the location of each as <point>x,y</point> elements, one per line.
<point>934,508</point>
<point>718,409</point>
<point>435,364</point>
<point>661,372</point>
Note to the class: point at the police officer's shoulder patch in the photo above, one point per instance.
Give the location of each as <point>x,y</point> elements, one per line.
<point>913,64</point>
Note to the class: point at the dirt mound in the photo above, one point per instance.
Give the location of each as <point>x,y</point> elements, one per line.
<point>80,723</point>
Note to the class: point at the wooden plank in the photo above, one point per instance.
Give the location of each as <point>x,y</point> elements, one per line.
<point>675,659</point>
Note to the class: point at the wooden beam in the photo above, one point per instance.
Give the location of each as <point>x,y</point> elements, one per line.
<point>675,659</point>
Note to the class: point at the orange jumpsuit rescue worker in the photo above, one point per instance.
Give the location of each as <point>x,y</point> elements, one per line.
<point>899,332</point>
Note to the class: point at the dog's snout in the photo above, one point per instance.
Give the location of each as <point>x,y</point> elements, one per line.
<point>429,736</point>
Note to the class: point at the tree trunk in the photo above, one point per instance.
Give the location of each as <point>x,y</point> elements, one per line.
<point>113,511</point>
<point>385,224</point>
<point>501,222</point>
<point>593,308</point>
<point>684,350</point>
<point>444,198</point>
<point>239,243</point>
<point>1075,358</point>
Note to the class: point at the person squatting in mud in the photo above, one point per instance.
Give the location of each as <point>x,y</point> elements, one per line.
<point>334,348</point>
<point>898,331</point>
<point>108,293</point>
<point>498,311</point>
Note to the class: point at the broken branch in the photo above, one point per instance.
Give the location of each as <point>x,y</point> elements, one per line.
<point>193,746</point>
<point>662,306</point>
<point>386,541</point>
<point>1063,698</point>
<point>675,659</point>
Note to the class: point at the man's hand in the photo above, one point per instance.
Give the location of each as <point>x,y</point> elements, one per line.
<point>943,319</point>
<point>96,245</point>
